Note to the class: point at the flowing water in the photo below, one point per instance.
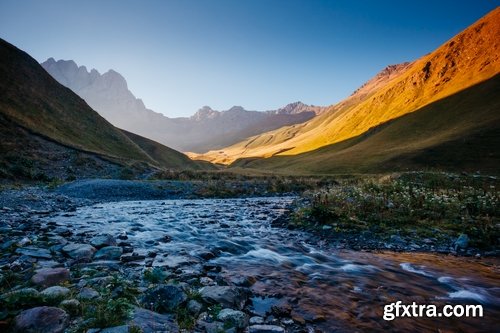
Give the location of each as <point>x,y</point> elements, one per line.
<point>334,290</point>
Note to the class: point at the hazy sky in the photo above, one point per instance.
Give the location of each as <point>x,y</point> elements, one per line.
<point>261,54</point>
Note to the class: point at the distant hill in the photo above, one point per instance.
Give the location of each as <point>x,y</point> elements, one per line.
<point>207,129</point>
<point>441,78</point>
<point>39,116</point>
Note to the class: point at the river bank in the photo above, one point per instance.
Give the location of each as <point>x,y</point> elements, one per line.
<point>138,256</point>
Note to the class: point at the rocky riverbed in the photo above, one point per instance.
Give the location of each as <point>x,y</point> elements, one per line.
<point>113,256</point>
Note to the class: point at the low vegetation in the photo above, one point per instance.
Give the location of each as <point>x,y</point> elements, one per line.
<point>416,205</point>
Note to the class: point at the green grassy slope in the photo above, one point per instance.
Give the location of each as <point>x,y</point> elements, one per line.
<point>165,155</point>
<point>459,132</point>
<point>32,99</point>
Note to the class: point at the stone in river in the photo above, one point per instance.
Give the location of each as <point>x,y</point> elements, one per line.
<point>55,292</point>
<point>35,252</point>
<point>47,277</point>
<point>108,253</point>
<point>166,298</point>
<point>150,322</point>
<point>79,251</point>
<point>233,318</point>
<point>102,241</point>
<point>266,329</point>
<point>227,296</point>
<point>41,319</point>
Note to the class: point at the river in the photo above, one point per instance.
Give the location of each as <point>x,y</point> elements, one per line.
<point>333,290</point>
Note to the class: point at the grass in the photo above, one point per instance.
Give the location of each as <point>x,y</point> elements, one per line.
<point>459,133</point>
<point>417,205</point>
<point>113,307</point>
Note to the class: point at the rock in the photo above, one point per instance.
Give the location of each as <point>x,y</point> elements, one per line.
<point>47,277</point>
<point>116,329</point>
<point>206,281</point>
<point>233,318</point>
<point>164,298</point>
<point>211,327</point>
<point>21,297</point>
<point>48,264</point>
<point>71,306</point>
<point>227,296</point>
<point>194,307</point>
<point>88,293</point>
<point>397,239</point>
<point>266,329</point>
<point>281,310</point>
<point>41,319</point>
<point>34,252</point>
<point>23,241</point>
<point>174,261</point>
<point>462,242</point>
<point>55,293</point>
<point>242,281</point>
<point>132,257</point>
<point>151,322</point>
<point>108,253</point>
<point>204,254</point>
<point>256,320</point>
<point>79,251</point>
<point>102,241</point>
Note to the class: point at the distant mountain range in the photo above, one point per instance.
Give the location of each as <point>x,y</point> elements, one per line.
<point>207,129</point>
<point>48,131</point>
<point>441,110</point>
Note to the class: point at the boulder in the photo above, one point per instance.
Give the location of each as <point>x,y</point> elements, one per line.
<point>462,242</point>
<point>266,329</point>
<point>227,296</point>
<point>79,251</point>
<point>71,306</point>
<point>41,319</point>
<point>88,293</point>
<point>102,241</point>
<point>21,297</point>
<point>164,298</point>
<point>55,293</point>
<point>34,252</point>
<point>47,277</point>
<point>194,307</point>
<point>108,253</point>
<point>150,322</point>
<point>233,318</point>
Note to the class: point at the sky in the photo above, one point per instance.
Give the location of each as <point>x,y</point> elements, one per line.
<point>179,55</point>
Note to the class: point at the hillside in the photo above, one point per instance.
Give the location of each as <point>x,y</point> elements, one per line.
<point>460,132</point>
<point>36,107</point>
<point>207,129</point>
<point>467,59</point>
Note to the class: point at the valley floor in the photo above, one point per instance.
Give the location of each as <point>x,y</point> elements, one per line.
<point>208,255</point>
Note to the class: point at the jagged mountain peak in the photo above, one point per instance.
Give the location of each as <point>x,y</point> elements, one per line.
<point>206,112</point>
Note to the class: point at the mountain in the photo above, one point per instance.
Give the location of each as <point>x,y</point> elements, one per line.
<point>207,129</point>
<point>436,79</point>
<point>44,123</point>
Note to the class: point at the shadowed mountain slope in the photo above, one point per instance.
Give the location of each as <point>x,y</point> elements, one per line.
<point>33,103</point>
